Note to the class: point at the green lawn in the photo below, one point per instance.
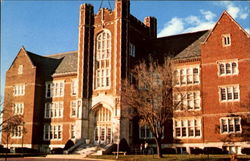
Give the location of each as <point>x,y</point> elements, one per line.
<point>173,157</point>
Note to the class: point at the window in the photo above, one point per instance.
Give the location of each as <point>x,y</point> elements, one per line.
<point>18,108</point>
<point>17,132</point>
<point>226,40</point>
<point>187,100</point>
<point>187,76</point>
<point>131,49</point>
<point>53,110</point>
<point>55,89</point>
<point>103,115</point>
<point>74,87</point>
<point>19,90</point>
<point>73,108</point>
<point>230,125</point>
<point>145,133</point>
<point>52,132</point>
<point>187,128</point>
<point>73,131</point>
<point>103,60</point>
<point>228,68</point>
<point>20,69</point>
<point>229,93</point>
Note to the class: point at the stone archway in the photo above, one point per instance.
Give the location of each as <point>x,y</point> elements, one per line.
<point>103,129</point>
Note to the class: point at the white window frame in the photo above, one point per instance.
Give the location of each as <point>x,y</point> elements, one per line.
<point>226,40</point>
<point>53,110</point>
<point>56,88</point>
<point>228,88</point>
<point>180,72</point>
<point>73,131</point>
<point>72,103</point>
<point>226,119</point>
<point>19,90</point>
<point>53,132</point>
<point>18,108</point>
<point>102,61</point>
<point>20,69</point>
<point>182,99</point>
<point>17,132</point>
<point>182,123</point>
<point>225,64</point>
<point>74,87</point>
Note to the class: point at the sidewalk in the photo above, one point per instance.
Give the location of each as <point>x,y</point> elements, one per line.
<point>73,156</point>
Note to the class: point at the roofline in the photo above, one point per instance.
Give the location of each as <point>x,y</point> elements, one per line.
<point>193,32</point>
<point>68,52</point>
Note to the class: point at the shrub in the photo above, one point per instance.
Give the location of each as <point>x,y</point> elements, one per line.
<point>26,150</point>
<point>4,150</point>
<point>214,150</point>
<point>57,151</point>
<point>245,151</point>
<point>68,145</point>
<point>168,151</point>
<point>196,151</point>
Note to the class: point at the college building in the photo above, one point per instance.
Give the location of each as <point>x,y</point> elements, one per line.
<point>76,95</point>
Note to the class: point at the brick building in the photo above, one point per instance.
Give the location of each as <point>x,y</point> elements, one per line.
<point>76,95</point>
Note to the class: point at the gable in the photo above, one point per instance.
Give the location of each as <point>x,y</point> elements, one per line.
<point>21,59</point>
<point>226,24</point>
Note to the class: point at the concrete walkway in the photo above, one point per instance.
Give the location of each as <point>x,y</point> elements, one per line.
<point>73,156</point>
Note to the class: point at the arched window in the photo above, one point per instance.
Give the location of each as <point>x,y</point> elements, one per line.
<point>103,115</point>
<point>103,60</point>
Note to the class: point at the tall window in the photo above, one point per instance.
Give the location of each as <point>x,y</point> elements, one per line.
<point>74,87</point>
<point>229,93</point>
<point>103,115</point>
<point>187,76</point>
<point>53,110</point>
<point>73,108</point>
<point>17,132</point>
<point>230,125</point>
<point>145,133</point>
<point>19,90</point>
<point>73,131</point>
<point>187,128</point>
<point>103,60</point>
<point>131,49</point>
<point>226,40</point>
<point>55,89</point>
<point>187,100</point>
<point>52,132</point>
<point>228,68</point>
<point>18,108</point>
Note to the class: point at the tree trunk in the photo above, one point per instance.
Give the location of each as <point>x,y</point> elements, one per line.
<point>158,145</point>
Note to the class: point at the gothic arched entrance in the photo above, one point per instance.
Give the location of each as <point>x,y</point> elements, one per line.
<point>103,129</point>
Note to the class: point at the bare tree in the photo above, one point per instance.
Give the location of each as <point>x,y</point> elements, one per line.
<point>151,97</point>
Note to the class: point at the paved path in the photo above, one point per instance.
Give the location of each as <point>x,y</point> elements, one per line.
<point>52,158</point>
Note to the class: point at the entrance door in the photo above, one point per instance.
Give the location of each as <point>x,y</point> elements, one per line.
<point>103,130</point>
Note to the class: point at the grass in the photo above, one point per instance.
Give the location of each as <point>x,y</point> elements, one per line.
<point>173,157</point>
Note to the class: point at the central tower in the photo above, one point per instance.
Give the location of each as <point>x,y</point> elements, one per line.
<point>102,64</point>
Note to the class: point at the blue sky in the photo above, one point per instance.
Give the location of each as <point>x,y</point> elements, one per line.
<point>48,27</point>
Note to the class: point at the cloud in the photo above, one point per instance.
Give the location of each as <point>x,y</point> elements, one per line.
<point>174,26</point>
<point>208,15</point>
<point>188,24</point>
<point>234,10</point>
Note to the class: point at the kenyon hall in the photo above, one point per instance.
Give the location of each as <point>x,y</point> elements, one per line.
<point>77,95</point>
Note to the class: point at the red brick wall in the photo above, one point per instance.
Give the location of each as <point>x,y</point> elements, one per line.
<point>213,51</point>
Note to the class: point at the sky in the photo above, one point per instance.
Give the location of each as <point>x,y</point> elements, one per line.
<point>49,27</point>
